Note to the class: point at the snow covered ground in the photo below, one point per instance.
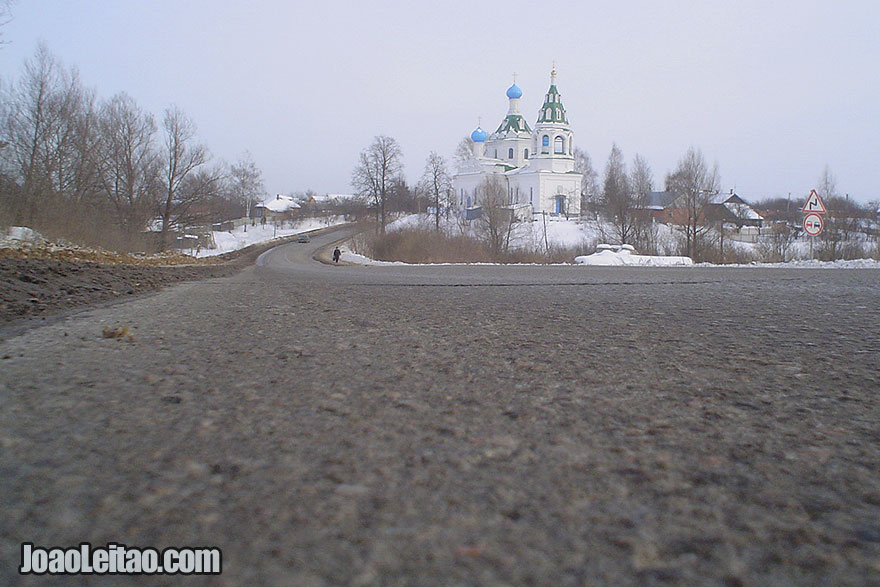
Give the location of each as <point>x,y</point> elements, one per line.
<point>530,235</point>
<point>238,239</point>
<point>588,234</point>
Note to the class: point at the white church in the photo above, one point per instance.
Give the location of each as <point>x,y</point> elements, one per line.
<point>535,166</point>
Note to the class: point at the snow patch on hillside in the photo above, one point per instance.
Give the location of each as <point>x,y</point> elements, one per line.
<point>227,241</point>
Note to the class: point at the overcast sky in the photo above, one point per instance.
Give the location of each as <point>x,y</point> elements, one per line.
<point>773,91</point>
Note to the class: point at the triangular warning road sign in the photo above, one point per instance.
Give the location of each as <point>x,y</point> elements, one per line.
<point>814,204</point>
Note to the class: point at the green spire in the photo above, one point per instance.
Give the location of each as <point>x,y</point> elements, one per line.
<point>553,111</point>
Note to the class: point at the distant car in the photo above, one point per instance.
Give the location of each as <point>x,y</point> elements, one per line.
<point>303,238</point>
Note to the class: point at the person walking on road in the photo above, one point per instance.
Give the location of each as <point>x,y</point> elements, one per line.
<point>336,255</point>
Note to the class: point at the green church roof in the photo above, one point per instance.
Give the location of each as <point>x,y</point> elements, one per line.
<point>552,110</point>
<point>515,123</point>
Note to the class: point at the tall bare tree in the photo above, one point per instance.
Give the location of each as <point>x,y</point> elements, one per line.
<point>583,164</point>
<point>617,197</point>
<point>464,151</point>
<point>48,134</point>
<point>437,184</point>
<point>128,161</point>
<point>695,183</point>
<point>373,177</point>
<point>181,158</point>
<point>841,221</point>
<point>496,223</point>
<point>641,181</point>
<point>827,187</point>
<point>39,131</point>
<point>5,17</point>
<point>246,182</point>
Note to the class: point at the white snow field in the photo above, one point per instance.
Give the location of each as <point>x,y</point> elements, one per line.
<point>573,234</point>
<point>227,241</point>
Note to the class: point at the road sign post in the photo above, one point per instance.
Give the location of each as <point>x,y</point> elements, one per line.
<point>814,224</point>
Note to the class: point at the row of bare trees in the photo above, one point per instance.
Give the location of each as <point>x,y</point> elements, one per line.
<point>103,171</point>
<point>621,198</point>
<point>378,180</point>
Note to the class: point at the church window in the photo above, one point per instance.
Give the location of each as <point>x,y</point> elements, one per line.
<point>531,195</point>
<point>496,153</point>
<point>526,154</point>
<point>549,114</point>
<point>559,146</point>
<point>510,153</point>
<point>545,144</point>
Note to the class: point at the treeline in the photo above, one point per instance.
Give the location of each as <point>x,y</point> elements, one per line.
<point>620,198</point>
<point>378,181</point>
<point>105,171</point>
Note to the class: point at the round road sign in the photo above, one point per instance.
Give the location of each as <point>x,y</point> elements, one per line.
<point>813,224</point>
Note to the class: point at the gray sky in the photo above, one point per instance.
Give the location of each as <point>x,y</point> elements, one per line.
<point>771,90</point>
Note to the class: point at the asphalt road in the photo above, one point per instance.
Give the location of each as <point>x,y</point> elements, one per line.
<point>460,425</point>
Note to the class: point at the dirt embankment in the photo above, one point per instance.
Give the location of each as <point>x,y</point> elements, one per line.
<point>40,280</point>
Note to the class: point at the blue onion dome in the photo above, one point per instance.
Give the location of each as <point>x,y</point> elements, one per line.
<point>514,92</point>
<point>479,135</point>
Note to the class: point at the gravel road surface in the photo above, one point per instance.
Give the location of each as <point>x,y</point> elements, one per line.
<point>459,425</point>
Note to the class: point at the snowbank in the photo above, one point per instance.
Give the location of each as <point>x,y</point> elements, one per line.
<point>607,256</point>
<point>808,264</point>
<point>16,235</point>
<point>356,259</point>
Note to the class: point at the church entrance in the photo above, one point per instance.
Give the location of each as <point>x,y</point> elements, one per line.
<point>560,204</point>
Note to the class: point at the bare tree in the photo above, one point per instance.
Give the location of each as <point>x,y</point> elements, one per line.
<point>641,180</point>
<point>873,213</point>
<point>181,157</point>
<point>5,17</point>
<point>48,135</point>
<point>128,161</point>
<point>696,184</point>
<point>496,222</point>
<point>827,184</point>
<point>436,183</point>
<point>71,167</point>
<point>464,151</point>
<point>617,197</point>
<point>777,242</point>
<point>842,221</point>
<point>246,182</point>
<point>39,131</point>
<point>583,164</point>
<point>378,166</point>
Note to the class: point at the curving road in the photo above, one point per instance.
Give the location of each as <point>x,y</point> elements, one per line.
<point>460,425</point>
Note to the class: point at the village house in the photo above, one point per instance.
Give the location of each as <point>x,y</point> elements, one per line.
<point>278,208</point>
